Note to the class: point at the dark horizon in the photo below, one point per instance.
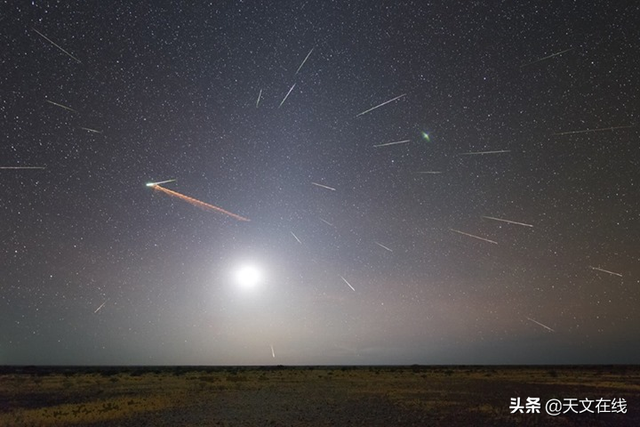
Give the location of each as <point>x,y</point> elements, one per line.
<point>4,368</point>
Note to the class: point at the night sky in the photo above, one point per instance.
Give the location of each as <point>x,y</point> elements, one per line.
<point>355,252</point>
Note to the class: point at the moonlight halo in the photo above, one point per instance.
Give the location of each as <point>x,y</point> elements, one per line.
<point>248,276</point>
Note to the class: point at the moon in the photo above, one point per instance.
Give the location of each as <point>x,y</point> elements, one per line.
<point>248,276</point>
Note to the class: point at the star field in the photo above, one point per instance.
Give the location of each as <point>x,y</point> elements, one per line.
<point>362,251</point>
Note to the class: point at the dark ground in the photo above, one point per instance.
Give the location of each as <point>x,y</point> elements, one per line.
<point>313,396</point>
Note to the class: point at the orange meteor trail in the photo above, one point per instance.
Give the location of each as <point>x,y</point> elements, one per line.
<point>198,203</point>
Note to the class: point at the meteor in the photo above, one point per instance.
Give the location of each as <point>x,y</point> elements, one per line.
<point>383,246</point>
<point>286,96</point>
<point>259,97</point>
<point>508,221</point>
<point>61,106</point>
<point>380,105</point>
<point>305,60</point>
<point>50,41</point>
<point>323,186</point>
<point>475,153</point>
<point>544,326</point>
<point>404,141</point>
<point>326,222</point>
<point>195,202</point>
<point>90,130</point>
<point>605,271</point>
<point>546,57</point>
<point>98,309</point>
<point>21,167</point>
<point>475,237</point>
<point>153,184</point>
<point>348,284</point>
<point>573,132</point>
<point>295,237</point>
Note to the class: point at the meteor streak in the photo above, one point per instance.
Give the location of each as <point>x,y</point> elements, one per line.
<point>197,203</point>
<point>546,57</point>
<point>273,352</point>
<point>474,153</point>
<point>573,132</point>
<point>286,96</point>
<point>102,305</point>
<point>91,130</point>
<point>430,172</point>
<point>383,246</point>
<point>153,184</point>
<point>21,167</point>
<point>348,284</point>
<point>50,41</point>
<point>258,100</point>
<point>606,271</point>
<point>404,141</point>
<point>544,326</point>
<point>295,237</point>
<point>508,221</point>
<point>305,60</point>
<point>326,222</point>
<point>380,105</point>
<point>475,237</point>
<point>61,106</point>
<point>324,186</point>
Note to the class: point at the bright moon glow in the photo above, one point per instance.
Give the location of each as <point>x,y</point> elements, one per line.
<point>248,276</point>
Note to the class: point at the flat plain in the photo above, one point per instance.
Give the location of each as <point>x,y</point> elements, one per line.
<point>318,396</point>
